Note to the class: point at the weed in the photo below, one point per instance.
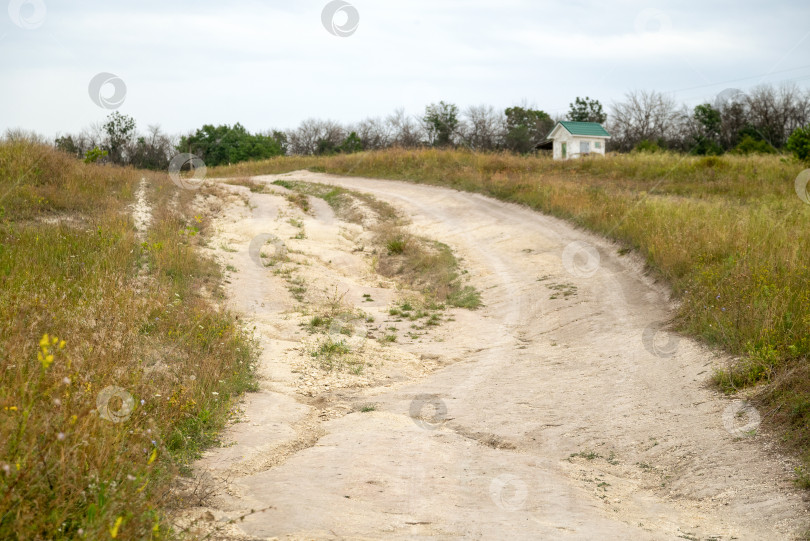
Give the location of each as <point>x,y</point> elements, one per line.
<point>587,455</point>
<point>255,187</point>
<point>297,287</point>
<point>299,200</point>
<point>396,245</point>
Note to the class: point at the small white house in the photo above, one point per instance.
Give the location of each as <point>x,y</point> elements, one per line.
<point>575,139</point>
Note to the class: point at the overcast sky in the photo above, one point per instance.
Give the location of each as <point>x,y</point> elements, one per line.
<point>271,64</point>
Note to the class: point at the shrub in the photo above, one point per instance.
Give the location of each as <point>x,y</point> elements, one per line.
<point>749,145</point>
<point>648,146</point>
<point>799,143</point>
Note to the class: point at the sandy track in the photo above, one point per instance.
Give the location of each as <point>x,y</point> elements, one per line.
<point>567,358</point>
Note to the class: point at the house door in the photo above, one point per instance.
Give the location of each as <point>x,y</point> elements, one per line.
<point>564,150</point>
<point>584,147</point>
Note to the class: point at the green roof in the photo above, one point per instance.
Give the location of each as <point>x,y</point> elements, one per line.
<point>591,129</point>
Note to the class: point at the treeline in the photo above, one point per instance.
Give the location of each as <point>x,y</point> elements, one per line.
<point>766,120</point>
<point>759,121</point>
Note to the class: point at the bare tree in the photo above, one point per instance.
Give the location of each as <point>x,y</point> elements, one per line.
<point>315,137</point>
<point>151,151</point>
<point>405,131</point>
<point>79,144</point>
<point>483,127</point>
<point>733,119</point>
<point>14,135</point>
<point>643,116</point>
<point>374,133</point>
<point>775,112</point>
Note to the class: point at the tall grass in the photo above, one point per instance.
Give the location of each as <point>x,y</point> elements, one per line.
<point>727,233</point>
<point>114,368</point>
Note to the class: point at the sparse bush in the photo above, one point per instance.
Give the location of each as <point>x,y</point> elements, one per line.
<point>95,154</point>
<point>396,246</point>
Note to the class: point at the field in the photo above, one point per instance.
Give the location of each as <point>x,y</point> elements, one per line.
<point>728,234</point>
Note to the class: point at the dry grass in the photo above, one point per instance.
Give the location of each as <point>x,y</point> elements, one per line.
<point>252,185</point>
<point>115,367</point>
<point>727,233</point>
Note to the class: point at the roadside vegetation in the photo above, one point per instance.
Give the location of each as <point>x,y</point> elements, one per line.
<point>728,233</point>
<point>116,366</point>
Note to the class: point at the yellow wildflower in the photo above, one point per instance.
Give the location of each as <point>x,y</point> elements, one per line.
<point>114,529</point>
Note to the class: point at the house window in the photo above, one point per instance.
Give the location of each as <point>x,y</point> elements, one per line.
<point>584,147</point>
<point>564,150</point>
<point>597,144</point>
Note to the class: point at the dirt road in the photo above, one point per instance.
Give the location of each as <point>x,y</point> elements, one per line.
<point>559,410</point>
